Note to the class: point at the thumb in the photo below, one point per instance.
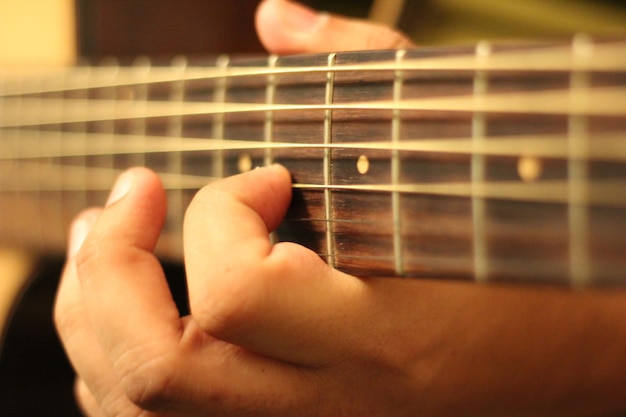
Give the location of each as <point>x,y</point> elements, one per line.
<point>286,27</point>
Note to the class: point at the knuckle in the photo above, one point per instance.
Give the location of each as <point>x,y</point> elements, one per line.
<point>198,206</point>
<point>224,309</point>
<point>88,259</point>
<point>147,381</point>
<point>246,289</point>
<point>202,196</point>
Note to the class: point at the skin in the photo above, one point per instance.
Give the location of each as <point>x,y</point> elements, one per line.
<point>274,331</point>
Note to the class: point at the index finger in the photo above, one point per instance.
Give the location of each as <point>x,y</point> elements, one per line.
<point>278,300</point>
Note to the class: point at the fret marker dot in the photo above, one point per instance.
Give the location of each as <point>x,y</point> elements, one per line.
<point>244,164</point>
<point>483,49</point>
<point>529,168</point>
<point>363,165</point>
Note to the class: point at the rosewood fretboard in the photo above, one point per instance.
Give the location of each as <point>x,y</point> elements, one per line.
<point>486,163</point>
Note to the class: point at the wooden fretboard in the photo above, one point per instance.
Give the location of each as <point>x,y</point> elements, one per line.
<point>487,162</point>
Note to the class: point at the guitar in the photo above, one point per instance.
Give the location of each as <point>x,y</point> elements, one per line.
<point>486,163</point>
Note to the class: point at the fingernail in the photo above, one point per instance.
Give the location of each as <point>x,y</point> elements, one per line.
<point>300,18</point>
<point>122,186</point>
<point>78,232</point>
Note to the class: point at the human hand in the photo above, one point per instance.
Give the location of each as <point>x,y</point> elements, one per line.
<point>274,331</point>
<point>286,27</point>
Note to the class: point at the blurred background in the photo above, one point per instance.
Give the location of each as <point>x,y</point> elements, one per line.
<point>47,31</point>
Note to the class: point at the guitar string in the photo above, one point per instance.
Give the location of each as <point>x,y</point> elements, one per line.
<point>342,259</point>
<point>602,101</point>
<point>462,187</point>
<point>46,178</point>
<point>604,146</point>
<point>494,102</point>
<point>606,57</point>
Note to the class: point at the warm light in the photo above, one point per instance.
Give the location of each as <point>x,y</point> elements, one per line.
<point>37,32</point>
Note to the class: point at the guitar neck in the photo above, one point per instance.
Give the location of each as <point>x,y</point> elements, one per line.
<point>487,163</point>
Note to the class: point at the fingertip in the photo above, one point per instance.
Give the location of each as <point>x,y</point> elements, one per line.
<point>269,28</point>
<point>273,196</point>
<point>132,218</point>
<point>275,173</point>
<point>140,178</point>
<point>146,195</point>
<point>288,27</point>
<point>266,190</point>
<point>150,186</point>
<point>281,173</point>
<point>285,27</point>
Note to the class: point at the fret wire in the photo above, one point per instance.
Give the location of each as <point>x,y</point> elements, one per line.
<point>328,114</point>
<point>268,125</point>
<point>141,70</point>
<point>577,189</point>
<point>10,166</point>
<point>395,169</point>
<point>35,223</point>
<point>604,101</point>
<point>82,144</point>
<point>270,98</point>
<point>52,210</point>
<point>176,200</point>
<point>610,57</point>
<point>107,127</point>
<point>478,168</point>
<point>577,168</point>
<point>5,166</point>
<point>61,216</point>
<point>219,96</point>
<point>19,180</point>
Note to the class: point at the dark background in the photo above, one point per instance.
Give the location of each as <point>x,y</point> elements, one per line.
<point>189,27</point>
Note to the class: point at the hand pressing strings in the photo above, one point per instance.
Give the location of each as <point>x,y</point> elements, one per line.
<point>274,331</point>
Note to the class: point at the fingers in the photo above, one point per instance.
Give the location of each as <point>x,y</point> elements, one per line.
<point>123,335</point>
<point>286,27</point>
<point>125,295</point>
<point>281,301</point>
<point>79,339</point>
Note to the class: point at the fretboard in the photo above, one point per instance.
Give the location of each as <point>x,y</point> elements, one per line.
<point>487,163</point>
